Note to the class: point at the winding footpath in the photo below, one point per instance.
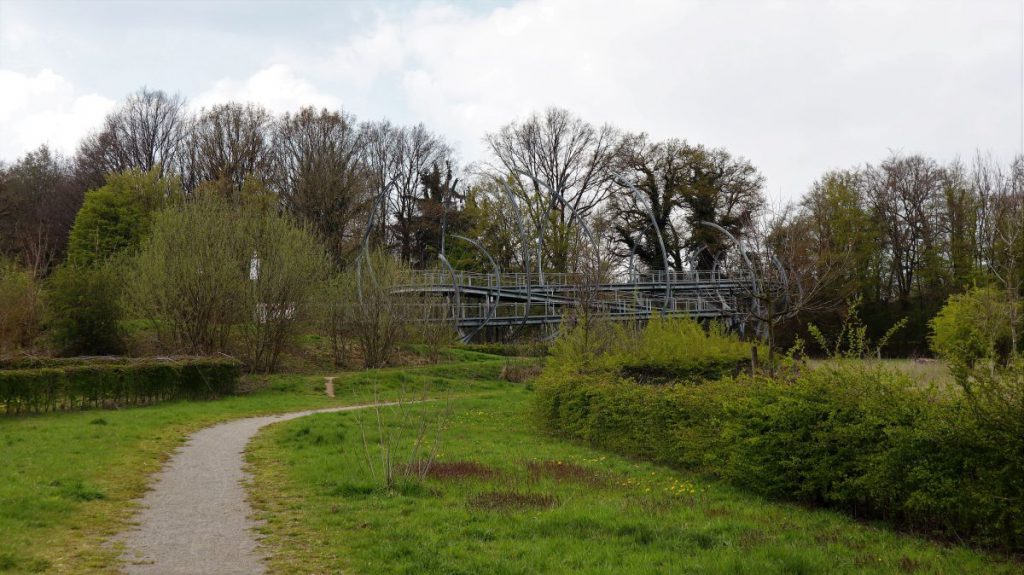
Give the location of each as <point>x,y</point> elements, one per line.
<point>196,520</point>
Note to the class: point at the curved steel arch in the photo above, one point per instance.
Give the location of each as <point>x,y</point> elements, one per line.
<point>537,182</point>
<point>621,180</point>
<point>526,248</point>
<point>497,298</point>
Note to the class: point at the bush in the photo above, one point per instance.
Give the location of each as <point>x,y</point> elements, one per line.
<point>973,326</point>
<point>20,308</point>
<point>862,439</point>
<point>213,275</point>
<point>84,308</point>
<point>528,349</point>
<point>667,349</point>
<point>68,385</point>
<point>374,311</point>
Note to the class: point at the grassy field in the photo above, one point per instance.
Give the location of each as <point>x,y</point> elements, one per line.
<point>927,372</point>
<point>505,499</point>
<point>67,480</point>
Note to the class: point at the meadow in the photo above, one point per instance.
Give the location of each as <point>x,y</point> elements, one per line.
<point>500,496</point>
<point>504,498</point>
<point>68,480</point>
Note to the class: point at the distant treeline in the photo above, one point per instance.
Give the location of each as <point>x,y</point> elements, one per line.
<point>903,234</point>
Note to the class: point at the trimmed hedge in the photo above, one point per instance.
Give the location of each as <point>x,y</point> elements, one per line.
<point>110,383</point>
<point>862,439</point>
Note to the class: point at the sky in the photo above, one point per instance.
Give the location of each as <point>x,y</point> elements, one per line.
<point>797,87</point>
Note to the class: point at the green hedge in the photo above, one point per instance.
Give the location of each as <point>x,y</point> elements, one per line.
<point>110,383</point>
<point>532,349</point>
<point>864,440</point>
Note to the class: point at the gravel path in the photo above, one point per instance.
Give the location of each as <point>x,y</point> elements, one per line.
<point>196,519</point>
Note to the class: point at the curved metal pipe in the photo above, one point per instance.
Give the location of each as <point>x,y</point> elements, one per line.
<point>654,222</point>
<point>455,291</point>
<point>497,298</point>
<point>526,248</point>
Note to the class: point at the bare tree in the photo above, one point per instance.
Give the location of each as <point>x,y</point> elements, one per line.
<point>229,143</point>
<point>321,175</point>
<point>146,131</point>
<point>417,151</point>
<point>1007,259</point>
<point>903,192</point>
<point>787,277</point>
<point>562,165</point>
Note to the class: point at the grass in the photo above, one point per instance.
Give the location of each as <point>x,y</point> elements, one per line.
<point>927,372</point>
<point>68,480</point>
<point>506,499</point>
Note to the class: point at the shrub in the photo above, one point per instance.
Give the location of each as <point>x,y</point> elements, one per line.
<point>375,312</point>
<point>83,304</point>
<point>212,274</point>
<point>864,439</point>
<point>974,326</point>
<point>667,349</point>
<point>537,348</point>
<point>114,383</point>
<point>20,308</point>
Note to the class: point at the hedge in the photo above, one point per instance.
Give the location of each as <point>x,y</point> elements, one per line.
<point>112,383</point>
<point>865,440</point>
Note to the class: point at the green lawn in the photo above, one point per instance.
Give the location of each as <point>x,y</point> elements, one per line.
<point>539,505</point>
<point>506,499</point>
<point>67,480</point>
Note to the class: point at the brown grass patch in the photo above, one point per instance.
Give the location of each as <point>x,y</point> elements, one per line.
<point>517,372</point>
<point>565,472</point>
<point>512,501</point>
<point>450,470</point>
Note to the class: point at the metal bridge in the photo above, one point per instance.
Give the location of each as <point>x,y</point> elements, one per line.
<point>507,300</point>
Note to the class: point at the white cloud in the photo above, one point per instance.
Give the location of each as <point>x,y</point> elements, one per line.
<point>796,87</point>
<point>276,87</point>
<point>45,109</point>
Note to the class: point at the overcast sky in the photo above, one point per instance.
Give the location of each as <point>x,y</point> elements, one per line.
<point>797,87</point>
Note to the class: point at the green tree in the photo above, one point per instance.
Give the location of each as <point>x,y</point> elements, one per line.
<point>84,308</point>
<point>118,215</point>
<point>20,307</point>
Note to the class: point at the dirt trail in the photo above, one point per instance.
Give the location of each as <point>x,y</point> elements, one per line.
<point>196,519</point>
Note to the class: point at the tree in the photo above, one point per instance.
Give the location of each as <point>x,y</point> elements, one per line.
<point>843,230</point>
<point>646,208</point>
<point>38,202</point>
<point>1007,255</point>
<point>561,165</point>
<point>321,175</point>
<point>902,191</point>
<point>229,143</point>
<point>378,314</point>
<point>118,216</point>
<point>144,133</point>
<point>216,276</point>
<point>437,214</point>
<point>786,275</point>
<point>722,190</point>
<point>20,307</point>
<point>83,304</point>
<point>397,158</point>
